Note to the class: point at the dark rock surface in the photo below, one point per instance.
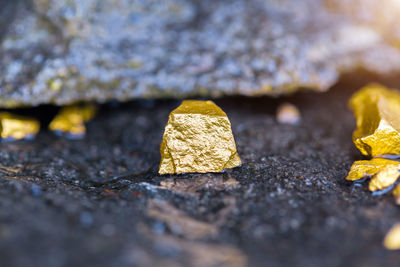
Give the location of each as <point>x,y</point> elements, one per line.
<point>61,51</point>
<point>100,202</point>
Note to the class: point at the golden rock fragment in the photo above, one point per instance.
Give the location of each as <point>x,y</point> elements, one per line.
<point>288,114</point>
<point>364,168</point>
<point>392,238</point>
<point>377,110</point>
<point>396,194</point>
<point>384,172</point>
<point>14,127</point>
<point>70,121</point>
<point>386,177</point>
<point>198,138</point>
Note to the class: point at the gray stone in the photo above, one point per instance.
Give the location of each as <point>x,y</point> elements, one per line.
<point>62,51</point>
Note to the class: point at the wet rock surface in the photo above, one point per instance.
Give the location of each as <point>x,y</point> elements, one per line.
<point>62,51</point>
<point>99,201</point>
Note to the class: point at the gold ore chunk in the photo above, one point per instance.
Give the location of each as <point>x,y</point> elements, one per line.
<point>392,238</point>
<point>377,110</point>
<point>387,176</point>
<point>364,168</point>
<point>71,120</point>
<point>198,138</point>
<point>14,127</point>
<point>384,172</point>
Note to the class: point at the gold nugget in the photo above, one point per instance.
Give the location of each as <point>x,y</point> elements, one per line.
<point>367,168</point>
<point>70,121</point>
<point>384,172</point>
<point>14,127</point>
<point>377,110</point>
<point>392,238</point>
<point>198,138</point>
<point>386,177</point>
<point>288,114</point>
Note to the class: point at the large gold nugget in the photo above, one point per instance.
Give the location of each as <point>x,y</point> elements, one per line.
<point>14,127</point>
<point>377,110</point>
<point>70,121</point>
<point>198,138</point>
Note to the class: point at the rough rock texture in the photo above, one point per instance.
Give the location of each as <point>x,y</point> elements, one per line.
<point>100,201</point>
<point>61,51</point>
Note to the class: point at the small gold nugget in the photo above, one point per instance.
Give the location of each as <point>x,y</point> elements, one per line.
<point>386,177</point>
<point>70,121</point>
<point>367,168</point>
<point>288,114</point>
<point>198,138</point>
<point>384,172</point>
<point>392,238</point>
<point>377,110</point>
<point>14,127</point>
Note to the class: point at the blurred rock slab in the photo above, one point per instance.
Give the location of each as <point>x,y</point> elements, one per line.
<point>63,51</point>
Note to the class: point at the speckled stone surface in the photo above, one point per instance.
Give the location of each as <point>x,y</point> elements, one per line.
<point>62,51</point>
<point>100,202</point>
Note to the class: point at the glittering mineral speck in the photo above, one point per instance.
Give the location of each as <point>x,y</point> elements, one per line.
<point>14,127</point>
<point>198,138</point>
<point>70,121</point>
<point>377,110</point>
